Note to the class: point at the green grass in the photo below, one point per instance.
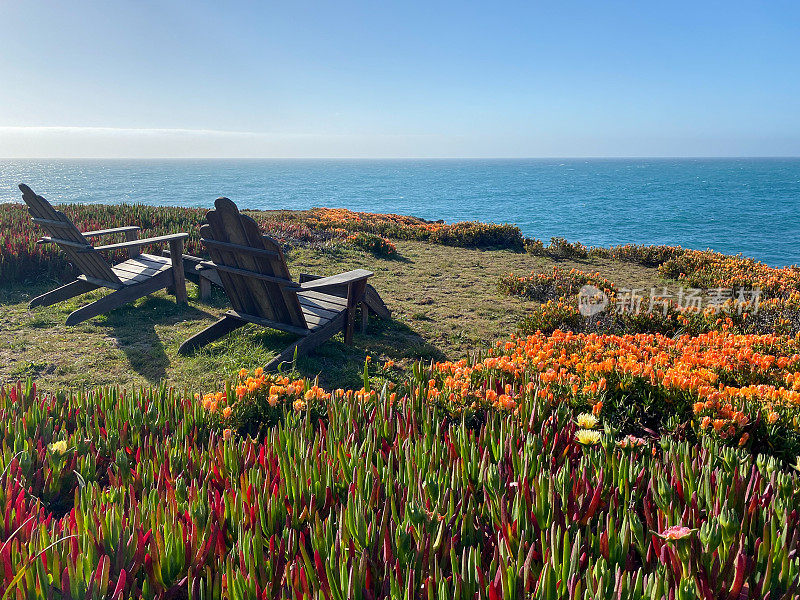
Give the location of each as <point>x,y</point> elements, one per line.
<point>444,303</point>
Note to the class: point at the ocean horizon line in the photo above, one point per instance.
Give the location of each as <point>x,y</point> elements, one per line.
<point>701,202</point>
<point>401,158</point>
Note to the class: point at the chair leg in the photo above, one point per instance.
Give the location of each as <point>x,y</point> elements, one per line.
<point>307,343</point>
<point>178,275</point>
<point>65,292</point>
<point>119,298</point>
<point>375,303</point>
<point>355,296</point>
<point>213,332</point>
<point>205,287</point>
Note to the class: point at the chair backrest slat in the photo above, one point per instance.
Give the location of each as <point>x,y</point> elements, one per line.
<point>250,295</point>
<point>60,227</point>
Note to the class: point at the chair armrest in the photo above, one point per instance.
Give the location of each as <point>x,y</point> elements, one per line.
<point>340,279</point>
<point>101,232</point>
<point>154,240</point>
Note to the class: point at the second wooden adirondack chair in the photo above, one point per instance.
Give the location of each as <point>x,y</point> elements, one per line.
<point>254,275</point>
<point>135,278</point>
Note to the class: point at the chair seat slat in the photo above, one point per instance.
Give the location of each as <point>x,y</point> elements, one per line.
<point>114,285</point>
<point>124,271</point>
<point>314,320</point>
<point>320,307</point>
<point>333,301</point>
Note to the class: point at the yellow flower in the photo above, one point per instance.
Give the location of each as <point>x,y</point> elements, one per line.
<point>59,448</point>
<point>299,404</point>
<point>587,421</point>
<point>227,434</point>
<point>587,437</point>
<point>226,412</point>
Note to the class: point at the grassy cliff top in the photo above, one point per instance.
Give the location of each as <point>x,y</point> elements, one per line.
<point>444,300</point>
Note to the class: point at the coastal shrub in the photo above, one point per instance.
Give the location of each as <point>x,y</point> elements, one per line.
<point>466,480</point>
<point>535,247</point>
<point>478,235</point>
<point>772,294</point>
<point>560,248</point>
<point>708,269</point>
<point>550,316</point>
<point>471,234</point>
<point>375,244</point>
<point>554,285</point>
<point>564,314</point>
<point>647,256</point>
<point>748,297</point>
<point>780,318</point>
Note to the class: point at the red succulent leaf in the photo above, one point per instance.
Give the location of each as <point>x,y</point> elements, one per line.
<point>120,587</point>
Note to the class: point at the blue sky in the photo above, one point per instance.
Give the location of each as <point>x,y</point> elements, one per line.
<point>399,79</point>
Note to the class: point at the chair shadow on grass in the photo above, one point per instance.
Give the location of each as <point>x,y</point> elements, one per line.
<point>16,293</point>
<point>334,363</point>
<point>134,327</point>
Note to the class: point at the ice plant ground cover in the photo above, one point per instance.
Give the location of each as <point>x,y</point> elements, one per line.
<point>552,467</point>
<point>395,492</point>
<point>620,463</point>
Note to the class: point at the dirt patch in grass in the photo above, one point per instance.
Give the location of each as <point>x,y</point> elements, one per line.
<point>444,302</point>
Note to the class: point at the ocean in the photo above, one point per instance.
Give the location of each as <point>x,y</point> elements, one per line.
<point>748,206</point>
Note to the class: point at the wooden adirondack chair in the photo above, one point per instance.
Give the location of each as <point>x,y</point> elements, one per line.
<point>135,278</point>
<point>256,279</point>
